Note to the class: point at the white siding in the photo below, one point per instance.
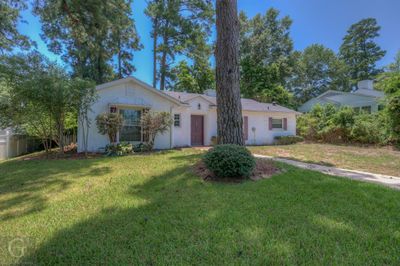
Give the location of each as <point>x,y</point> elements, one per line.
<point>128,93</point>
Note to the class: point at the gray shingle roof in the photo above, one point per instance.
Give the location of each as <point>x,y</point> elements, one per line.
<point>247,104</point>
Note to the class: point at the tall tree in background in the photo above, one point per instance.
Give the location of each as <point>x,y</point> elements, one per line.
<point>90,35</point>
<point>360,51</point>
<point>229,107</point>
<point>177,25</point>
<point>266,56</point>
<point>197,75</point>
<point>317,70</point>
<point>9,35</point>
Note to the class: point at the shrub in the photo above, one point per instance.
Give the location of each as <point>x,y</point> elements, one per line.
<point>142,147</point>
<point>154,123</point>
<point>109,124</point>
<point>367,129</point>
<point>230,161</point>
<point>118,149</point>
<point>286,140</point>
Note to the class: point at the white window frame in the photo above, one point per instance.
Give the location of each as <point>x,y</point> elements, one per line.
<point>179,120</point>
<point>136,124</point>
<point>277,128</point>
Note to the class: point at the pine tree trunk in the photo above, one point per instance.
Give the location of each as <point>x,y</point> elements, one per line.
<point>155,36</point>
<point>163,63</point>
<point>229,107</point>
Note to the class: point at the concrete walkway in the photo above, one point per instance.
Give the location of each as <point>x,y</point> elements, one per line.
<point>390,181</point>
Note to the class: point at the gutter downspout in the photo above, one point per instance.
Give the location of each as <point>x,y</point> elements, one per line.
<point>8,144</point>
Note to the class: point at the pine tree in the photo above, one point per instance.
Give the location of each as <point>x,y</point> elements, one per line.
<point>90,34</point>
<point>229,107</point>
<point>176,25</point>
<point>360,51</point>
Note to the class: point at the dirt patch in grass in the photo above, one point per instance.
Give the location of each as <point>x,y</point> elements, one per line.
<point>264,169</point>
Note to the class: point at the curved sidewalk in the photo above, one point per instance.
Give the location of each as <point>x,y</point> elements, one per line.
<point>390,181</point>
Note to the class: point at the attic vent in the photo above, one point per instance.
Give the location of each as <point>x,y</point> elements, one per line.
<point>199,106</point>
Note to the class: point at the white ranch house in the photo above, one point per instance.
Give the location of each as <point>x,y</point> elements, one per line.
<point>195,116</point>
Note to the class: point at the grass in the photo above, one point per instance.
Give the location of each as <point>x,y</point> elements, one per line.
<point>152,210</point>
<point>370,159</point>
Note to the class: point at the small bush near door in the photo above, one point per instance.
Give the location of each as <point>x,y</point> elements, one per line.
<point>230,161</point>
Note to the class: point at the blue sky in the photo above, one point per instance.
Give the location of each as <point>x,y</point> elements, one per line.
<point>314,21</point>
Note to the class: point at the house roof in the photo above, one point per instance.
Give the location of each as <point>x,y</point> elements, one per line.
<point>247,104</point>
<point>139,82</point>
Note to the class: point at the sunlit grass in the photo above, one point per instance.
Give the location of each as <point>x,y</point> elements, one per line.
<point>380,160</point>
<point>153,210</point>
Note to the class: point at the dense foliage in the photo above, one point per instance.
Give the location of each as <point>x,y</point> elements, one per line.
<point>317,70</point>
<point>118,149</point>
<point>340,125</point>
<point>39,98</point>
<point>266,59</point>
<point>230,161</point>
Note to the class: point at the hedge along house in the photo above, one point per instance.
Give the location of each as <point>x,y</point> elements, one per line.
<point>194,115</point>
<point>364,98</point>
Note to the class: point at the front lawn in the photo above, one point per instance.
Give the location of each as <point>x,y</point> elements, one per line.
<point>152,210</point>
<point>370,159</point>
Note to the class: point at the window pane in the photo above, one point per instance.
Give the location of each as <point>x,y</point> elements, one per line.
<point>130,133</point>
<point>276,123</point>
<point>177,120</point>
<point>131,130</point>
<point>131,117</point>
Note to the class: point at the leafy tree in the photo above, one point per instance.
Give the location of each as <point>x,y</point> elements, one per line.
<point>229,107</point>
<point>360,51</point>
<point>317,70</point>
<point>90,34</point>
<point>109,124</point>
<point>38,96</point>
<point>391,86</point>
<point>194,78</point>
<point>9,35</point>
<point>179,26</point>
<point>266,59</point>
<point>154,123</point>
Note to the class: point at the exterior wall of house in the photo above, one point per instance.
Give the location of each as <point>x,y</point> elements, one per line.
<point>128,95</point>
<point>258,127</point>
<point>132,95</point>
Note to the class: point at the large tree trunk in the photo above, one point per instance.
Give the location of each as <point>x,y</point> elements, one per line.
<point>229,107</point>
<point>163,63</point>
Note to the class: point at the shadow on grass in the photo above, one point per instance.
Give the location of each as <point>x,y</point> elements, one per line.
<point>25,185</point>
<point>298,217</point>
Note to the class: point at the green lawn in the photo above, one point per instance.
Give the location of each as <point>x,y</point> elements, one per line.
<point>370,159</point>
<point>152,210</point>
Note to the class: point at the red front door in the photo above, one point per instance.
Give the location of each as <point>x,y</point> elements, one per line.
<point>197,130</point>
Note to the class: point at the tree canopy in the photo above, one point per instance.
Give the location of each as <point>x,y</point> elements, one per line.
<point>90,34</point>
<point>360,51</point>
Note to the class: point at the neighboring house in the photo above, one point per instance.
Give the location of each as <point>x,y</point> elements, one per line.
<point>195,116</point>
<point>363,98</point>
<point>11,144</point>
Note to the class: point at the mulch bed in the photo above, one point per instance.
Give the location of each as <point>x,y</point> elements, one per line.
<point>264,169</point>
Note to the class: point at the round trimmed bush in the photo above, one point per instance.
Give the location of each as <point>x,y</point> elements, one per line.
<point>230,160</point>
